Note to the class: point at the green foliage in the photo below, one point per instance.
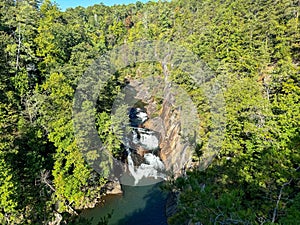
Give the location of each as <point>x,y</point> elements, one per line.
<point>111,138</point>
<point>292,213</point>
<point>253,47</point>
<point>250,50</point>
<point>8,177</point>
<point>70,172</point>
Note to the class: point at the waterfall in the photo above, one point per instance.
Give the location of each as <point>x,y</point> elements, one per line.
<point>137,116</point>
<point>152,167</point>
<point>154,161</point>
<point>146,138</point>
<point>142,115</point>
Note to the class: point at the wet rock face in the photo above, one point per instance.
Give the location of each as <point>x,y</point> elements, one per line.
<point>137,158</point>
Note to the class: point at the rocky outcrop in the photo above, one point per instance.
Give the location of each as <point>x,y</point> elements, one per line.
<point>174,151</point>
<point>114,188</point>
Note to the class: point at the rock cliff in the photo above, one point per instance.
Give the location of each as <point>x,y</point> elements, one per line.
<point>165,118</point>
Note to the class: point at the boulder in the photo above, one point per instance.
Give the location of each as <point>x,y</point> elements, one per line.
<point>114,188</point>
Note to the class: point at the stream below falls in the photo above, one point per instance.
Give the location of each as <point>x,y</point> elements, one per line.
<point>139,205</point>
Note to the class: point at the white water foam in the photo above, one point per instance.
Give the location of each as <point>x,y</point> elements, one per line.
<point>147,138</point>
<point>153,169</point>
<point>142,115</point>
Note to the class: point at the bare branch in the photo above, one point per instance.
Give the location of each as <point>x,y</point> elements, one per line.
<point>278,200</point>
<point>19,47</point>
<point>44,180</point>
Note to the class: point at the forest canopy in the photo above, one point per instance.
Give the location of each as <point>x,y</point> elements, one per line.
<point>253,47</point>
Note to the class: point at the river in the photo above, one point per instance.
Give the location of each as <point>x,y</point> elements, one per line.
<point>139,205</point>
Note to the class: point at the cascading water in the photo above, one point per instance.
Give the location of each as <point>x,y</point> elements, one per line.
<point>145,138</point>
<point>152,167</point>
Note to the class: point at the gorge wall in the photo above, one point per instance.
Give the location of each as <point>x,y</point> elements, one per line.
<point>165,118</point>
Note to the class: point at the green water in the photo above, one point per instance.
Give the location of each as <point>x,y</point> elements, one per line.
<point>139,205</point>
